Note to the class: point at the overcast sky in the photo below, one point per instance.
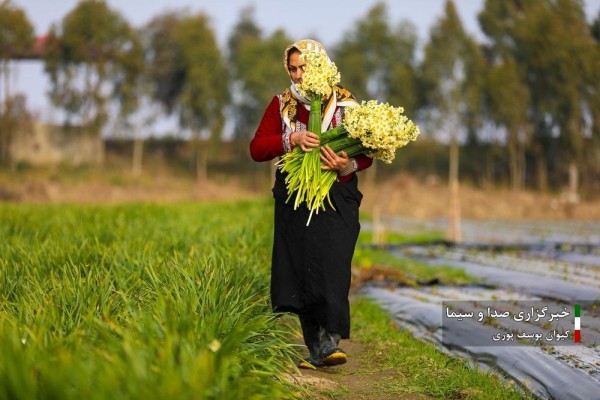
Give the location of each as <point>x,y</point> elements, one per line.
<point>329,19</point>
<point>326,20</point>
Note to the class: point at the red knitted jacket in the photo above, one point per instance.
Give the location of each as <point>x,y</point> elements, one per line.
<point>267,143</point>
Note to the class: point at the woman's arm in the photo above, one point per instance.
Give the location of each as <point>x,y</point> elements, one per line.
<point>363,162</point>
<point>268,141</point>
<point>357,163</point>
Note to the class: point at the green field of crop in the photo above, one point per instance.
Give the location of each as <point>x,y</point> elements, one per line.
<point>139,301</point>
<point>147,301</point>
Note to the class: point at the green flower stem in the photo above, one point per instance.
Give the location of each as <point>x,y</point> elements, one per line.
<point>353,150</point>
<point>342,143</point>
<point>314,118</point>
<point>328,178</point>
<point>338,139</point>
<point>304,175</point>
<point>332,134</point>
<point>305,179</point>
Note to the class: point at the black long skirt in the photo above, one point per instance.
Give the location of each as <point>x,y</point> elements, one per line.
<point>310,271</point>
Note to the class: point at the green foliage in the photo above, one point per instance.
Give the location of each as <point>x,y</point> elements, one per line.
<point>138,301</point>
<point>416,271</point>
<point>256,67</point>
<point>508,103</point>
<point>189,77</point>
<point>378,61</point>
<point>452,75</point>
<point>202,99</point>
<point>394,238</point>
<point>166,69</point>
<point>16,39</point>
<point>539,79</point>
<point>596,28</point>
<point>508,97</point>
<point>94,45</point>
<point>16,31</point>
<point>557,60</point>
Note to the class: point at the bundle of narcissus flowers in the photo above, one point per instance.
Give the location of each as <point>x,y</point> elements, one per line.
<point>319,78</point>
<point>372,128</point>
<point>380,128</point>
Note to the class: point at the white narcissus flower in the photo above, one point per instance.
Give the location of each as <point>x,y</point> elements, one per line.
<point>380,127</point>
<point>320,75</point>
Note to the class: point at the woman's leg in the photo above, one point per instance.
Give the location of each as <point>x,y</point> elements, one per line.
<point>331,354</point>
<point>311,331</point>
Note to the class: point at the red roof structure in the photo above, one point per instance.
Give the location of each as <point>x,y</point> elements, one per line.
<point>36,50</point>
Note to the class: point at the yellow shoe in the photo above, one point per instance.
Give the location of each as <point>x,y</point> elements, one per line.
<point>337,356</point>
<point>307,363</point>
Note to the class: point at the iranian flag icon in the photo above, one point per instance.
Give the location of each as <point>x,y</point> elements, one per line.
<point>577,323</point>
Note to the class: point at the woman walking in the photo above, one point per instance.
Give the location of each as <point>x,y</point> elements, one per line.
<point>310,271</point>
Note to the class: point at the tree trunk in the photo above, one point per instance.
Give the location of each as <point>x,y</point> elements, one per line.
<point>542,175</point>
<point>371,175</point>
<point>90,120</point>
<point>522,165</point>
<point>5,120</point>
<point>138,154</point>
<point>3,123</point>
<point>572,195</point>
<point>454,233</point>
<point>541,170</point>
<point>101,150</point>
<point>513,160</point>
<point>487,177</point>
<point>201,159</point>
<point>378,238</point>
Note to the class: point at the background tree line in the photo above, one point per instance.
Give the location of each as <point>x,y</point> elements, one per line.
<point>523,106</point>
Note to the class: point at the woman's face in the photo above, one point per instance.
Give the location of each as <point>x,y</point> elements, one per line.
<point>296,67</point>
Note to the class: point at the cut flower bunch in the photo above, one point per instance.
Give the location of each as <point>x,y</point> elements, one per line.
<point>372,128</point>
<point>319,78</point>
<point>380,129</point>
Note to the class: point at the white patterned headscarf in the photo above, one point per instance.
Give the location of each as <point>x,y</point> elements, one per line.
<point>303,46</point>
<point>341,96</point>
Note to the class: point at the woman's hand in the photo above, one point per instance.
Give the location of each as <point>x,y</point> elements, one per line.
<point>332,161</point>
<point>305,139</point>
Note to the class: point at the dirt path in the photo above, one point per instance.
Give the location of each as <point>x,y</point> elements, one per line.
<point>358,379</point>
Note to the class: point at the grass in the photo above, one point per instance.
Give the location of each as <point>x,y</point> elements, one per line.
<point>416,272</point>
<point>366,237</point>
<point>138,301</point>
<point>367,257</point>
<point>171,301</point>
<point>418,366</point>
